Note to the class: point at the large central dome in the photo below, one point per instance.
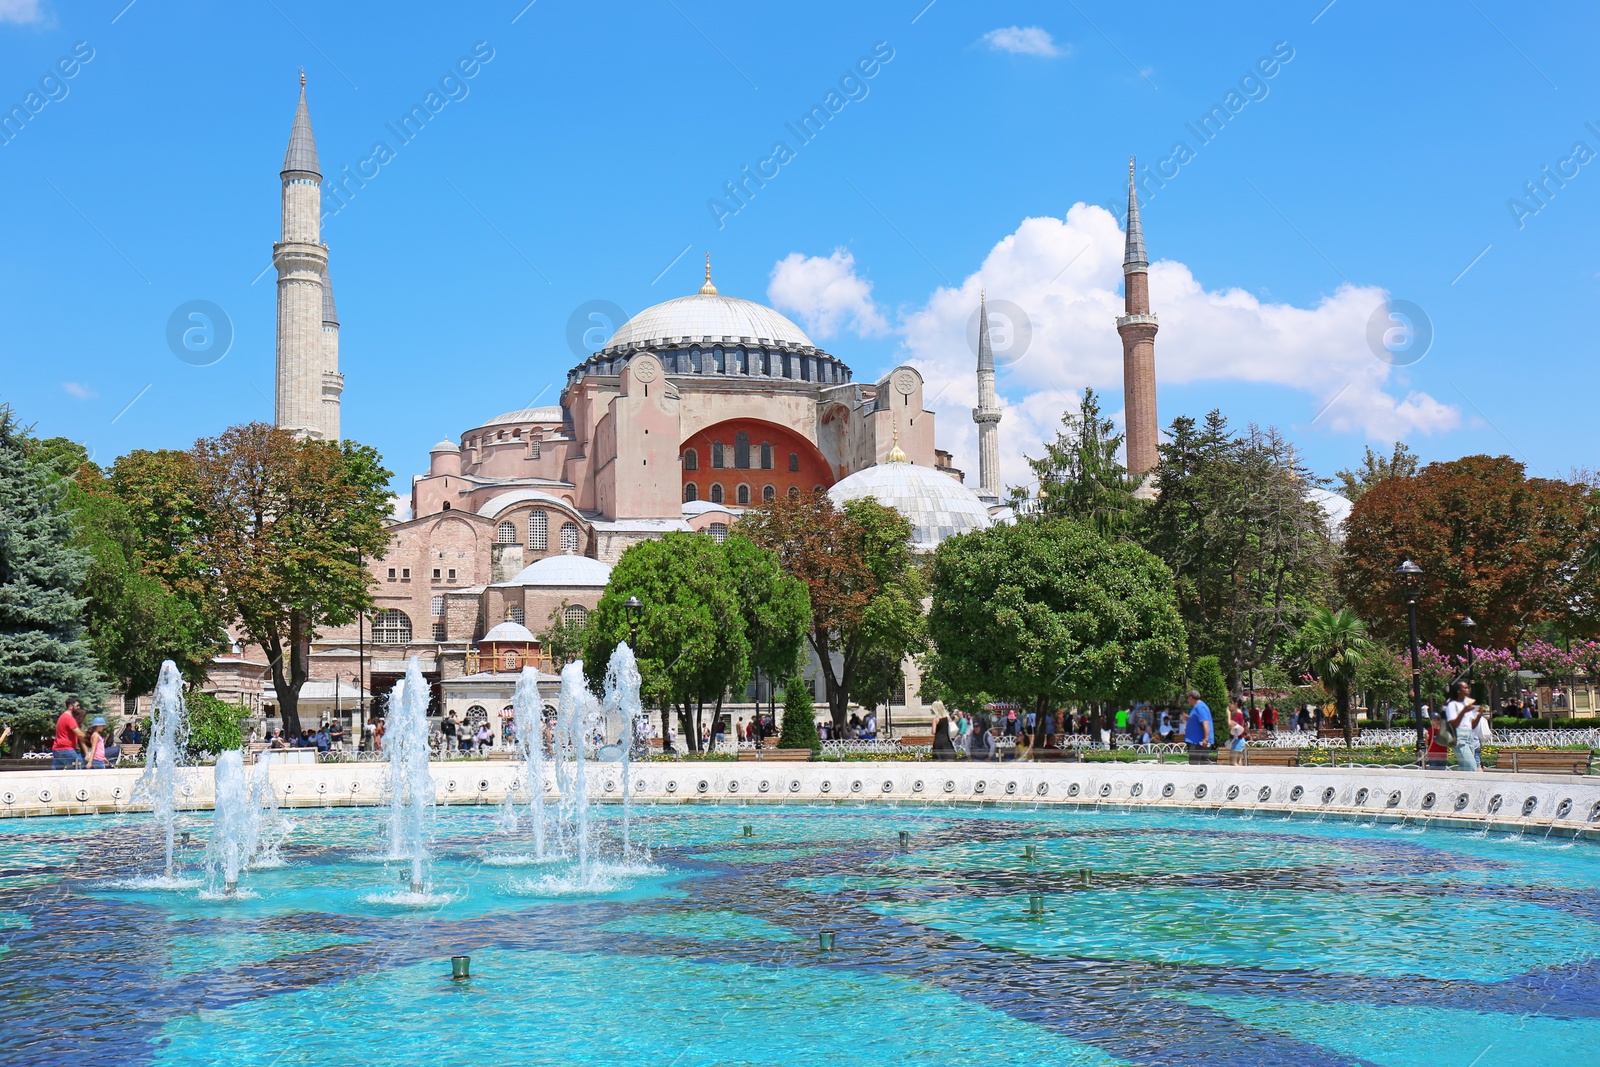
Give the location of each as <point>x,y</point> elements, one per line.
<point>707,319</point>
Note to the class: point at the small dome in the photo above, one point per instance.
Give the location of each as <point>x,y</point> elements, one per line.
<point>509,631</point>
<point>707,315</point>
<point>936,505</point>
<point>545,414</point>
<point>564,570</point>
<point>444,446</point>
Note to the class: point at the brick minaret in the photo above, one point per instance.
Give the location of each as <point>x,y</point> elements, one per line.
<point>987,413</point>
<point>302,263</point>
<point>1138,330</point>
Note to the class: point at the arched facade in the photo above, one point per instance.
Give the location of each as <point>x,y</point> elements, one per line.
<point>739,460</point>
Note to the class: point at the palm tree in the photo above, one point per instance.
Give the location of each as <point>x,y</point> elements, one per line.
<point>1335,646</point>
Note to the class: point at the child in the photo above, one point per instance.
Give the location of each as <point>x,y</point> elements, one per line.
<point>1236,745</point>
<point>94,746</point>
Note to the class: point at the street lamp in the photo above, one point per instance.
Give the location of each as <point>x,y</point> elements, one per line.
<point>634,609</point>
<point>1410,577</point>
<point>1468,625</point>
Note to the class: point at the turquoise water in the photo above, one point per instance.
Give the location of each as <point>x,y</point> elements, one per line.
<point>1193,940</point>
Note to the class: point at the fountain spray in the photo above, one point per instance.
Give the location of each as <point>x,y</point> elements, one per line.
<point>528,717</point>
<point>169,733</point>
<point>622,698</point>
<point>576,710</point>
<point>229,823</point>
<point>405,747</point>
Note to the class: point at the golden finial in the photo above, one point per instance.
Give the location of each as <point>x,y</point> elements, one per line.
<point>708,289</point>
<point>896,455</point>
<point>302,77</point>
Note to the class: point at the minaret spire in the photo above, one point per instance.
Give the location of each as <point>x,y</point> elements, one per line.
<point>708,289</point>
<point>302,262</point>
<point>1138,329</point>
<point>987,413</point>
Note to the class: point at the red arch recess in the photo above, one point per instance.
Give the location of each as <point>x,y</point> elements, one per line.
<point>814,470</point>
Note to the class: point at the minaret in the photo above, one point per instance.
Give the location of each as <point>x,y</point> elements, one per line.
<point>302,263</point>
<point>1138,329</point>
<point>332,380</point>
<point>987,413</point>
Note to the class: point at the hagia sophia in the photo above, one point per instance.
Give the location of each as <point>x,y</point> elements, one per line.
<point>694,410</point>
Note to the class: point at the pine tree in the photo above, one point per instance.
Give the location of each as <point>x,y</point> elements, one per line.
<point>1207,678</point>
<point>799,717</point>
<point>44,658</point>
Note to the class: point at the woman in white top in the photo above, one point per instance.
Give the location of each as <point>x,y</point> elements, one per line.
<point>1463,715</point>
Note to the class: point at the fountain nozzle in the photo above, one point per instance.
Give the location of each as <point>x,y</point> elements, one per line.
<point>1030,852</point>
<point>905,838</point>
<point>1036,904</point>
<point>230,888</point>
<point>825,940</point>
<point>460,968</point>
<point>749,831</point>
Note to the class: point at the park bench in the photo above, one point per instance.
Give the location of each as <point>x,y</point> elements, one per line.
<point>924,740</point>
<point>1271,757</point>
<point>786,755</point>
<point>1543,760</point>
<point>500,754</point>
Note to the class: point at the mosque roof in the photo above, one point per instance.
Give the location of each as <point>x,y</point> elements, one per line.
<point>936,505</point>
<point>499,503</point>
<point>706,317</point>
<point>551,413</point>
<point>301,158</point>
<point>508,631</point>
<point>564,570</point>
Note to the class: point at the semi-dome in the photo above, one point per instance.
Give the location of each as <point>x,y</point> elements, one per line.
<point>707,318</point>
<point>565,570</point>
<point>508,631</point>
<point>936,505</point>
<point>545,414</point>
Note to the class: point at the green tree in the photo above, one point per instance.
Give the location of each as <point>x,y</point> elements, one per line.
<point>1334,645</point>
<point>865,588</point>
<point>1045,613</point>
<point>282,526</point>
<point>564,639</point>
<point>1206,678</point>
<point>799,717</point>
<point>1079,475</point>
<point>215,725</point>
<point>692,644</point>
<point>775,606</point>
<point>44,656</point>
<point>1355,481</point>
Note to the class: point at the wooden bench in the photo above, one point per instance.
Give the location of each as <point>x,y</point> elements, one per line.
<point>925,740</point>
<point>1271,757</point>
<point>499,754</point>
<point>1543,760</point>
<point>786,755</point>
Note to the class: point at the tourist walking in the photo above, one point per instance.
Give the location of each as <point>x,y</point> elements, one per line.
<point>94,746</point>
<point>67,751</point>
<point>1437,756</point>
<point>943,747</point>
<point>1463,715</point>
<point>1197,731</point>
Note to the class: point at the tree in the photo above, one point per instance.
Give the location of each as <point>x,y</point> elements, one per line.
<point>1079,476</point>
<point>44,657</point>
<point>1354,482</point>
<point>1249,551</point>
<point>799,717</point>
<point>692,645</point>
<point>775,606</point>
<point>864,586</point>
<point>1506,549</point>
<point>1335,646</point>
<point>1206,679</point>
<point>564,639</point>
<point>1043,613</point>
<point>215,725</point>
<point>282,525</point>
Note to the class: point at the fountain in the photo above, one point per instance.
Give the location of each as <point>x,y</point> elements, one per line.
<point>169,733</point>
<point>410,786</point>
<point>576,711</point>
<point>229,823</point>
<point>528,720</point>
<point>622,702</point>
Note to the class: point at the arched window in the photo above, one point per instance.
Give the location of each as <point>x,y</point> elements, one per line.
<point>691,459</point>
<point>769,494</point>
<point>741,451</point>
<point>690,493</point>
<point>816,489</point>
<point>391,627</point>
<point>742,494</point>
<point>794,492</point>
<point>766,455</point>
<point>794,461</point>
<point>477,713</point>
<point>506,534</point>
<point>718,531</point>
<point>569,538</point>
<point>718,457</point>
<point>538,531</point>
<point>716,493</point>
<point>576,614</point>
<point>512,661</point>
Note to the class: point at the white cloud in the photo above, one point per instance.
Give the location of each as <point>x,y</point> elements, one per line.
<point>82,392</point>
<point>21,11</point>
<point>1022,41</point>
<point>400,508</point>
<point>825,292</point>
<point>1066,276</point>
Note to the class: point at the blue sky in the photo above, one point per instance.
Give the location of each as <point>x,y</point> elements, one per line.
<point>1379,162</point>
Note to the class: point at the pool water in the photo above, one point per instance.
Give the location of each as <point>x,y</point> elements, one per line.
<point>1192,940</point>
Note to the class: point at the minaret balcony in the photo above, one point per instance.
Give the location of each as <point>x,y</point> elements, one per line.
<point>979,415</point>
<point>1137,320</point>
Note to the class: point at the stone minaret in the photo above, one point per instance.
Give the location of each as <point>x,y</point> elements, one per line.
<point>302,263</point>
<point>332,380</point>
<point>1138,330</point>
<point>987,413</point>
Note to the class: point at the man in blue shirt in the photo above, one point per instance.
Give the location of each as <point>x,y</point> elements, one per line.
<point>1198,732</point>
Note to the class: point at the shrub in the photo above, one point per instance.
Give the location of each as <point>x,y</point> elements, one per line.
<point>1207,678</point>
<point>799,717</point>
<point>215,725</point>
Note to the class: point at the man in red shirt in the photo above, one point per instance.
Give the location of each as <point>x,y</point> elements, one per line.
<point>68,748</point>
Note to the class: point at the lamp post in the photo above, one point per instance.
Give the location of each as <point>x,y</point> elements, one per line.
<point>1410,576</point>
<point>634,609</point>
<point>1468,625</point>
